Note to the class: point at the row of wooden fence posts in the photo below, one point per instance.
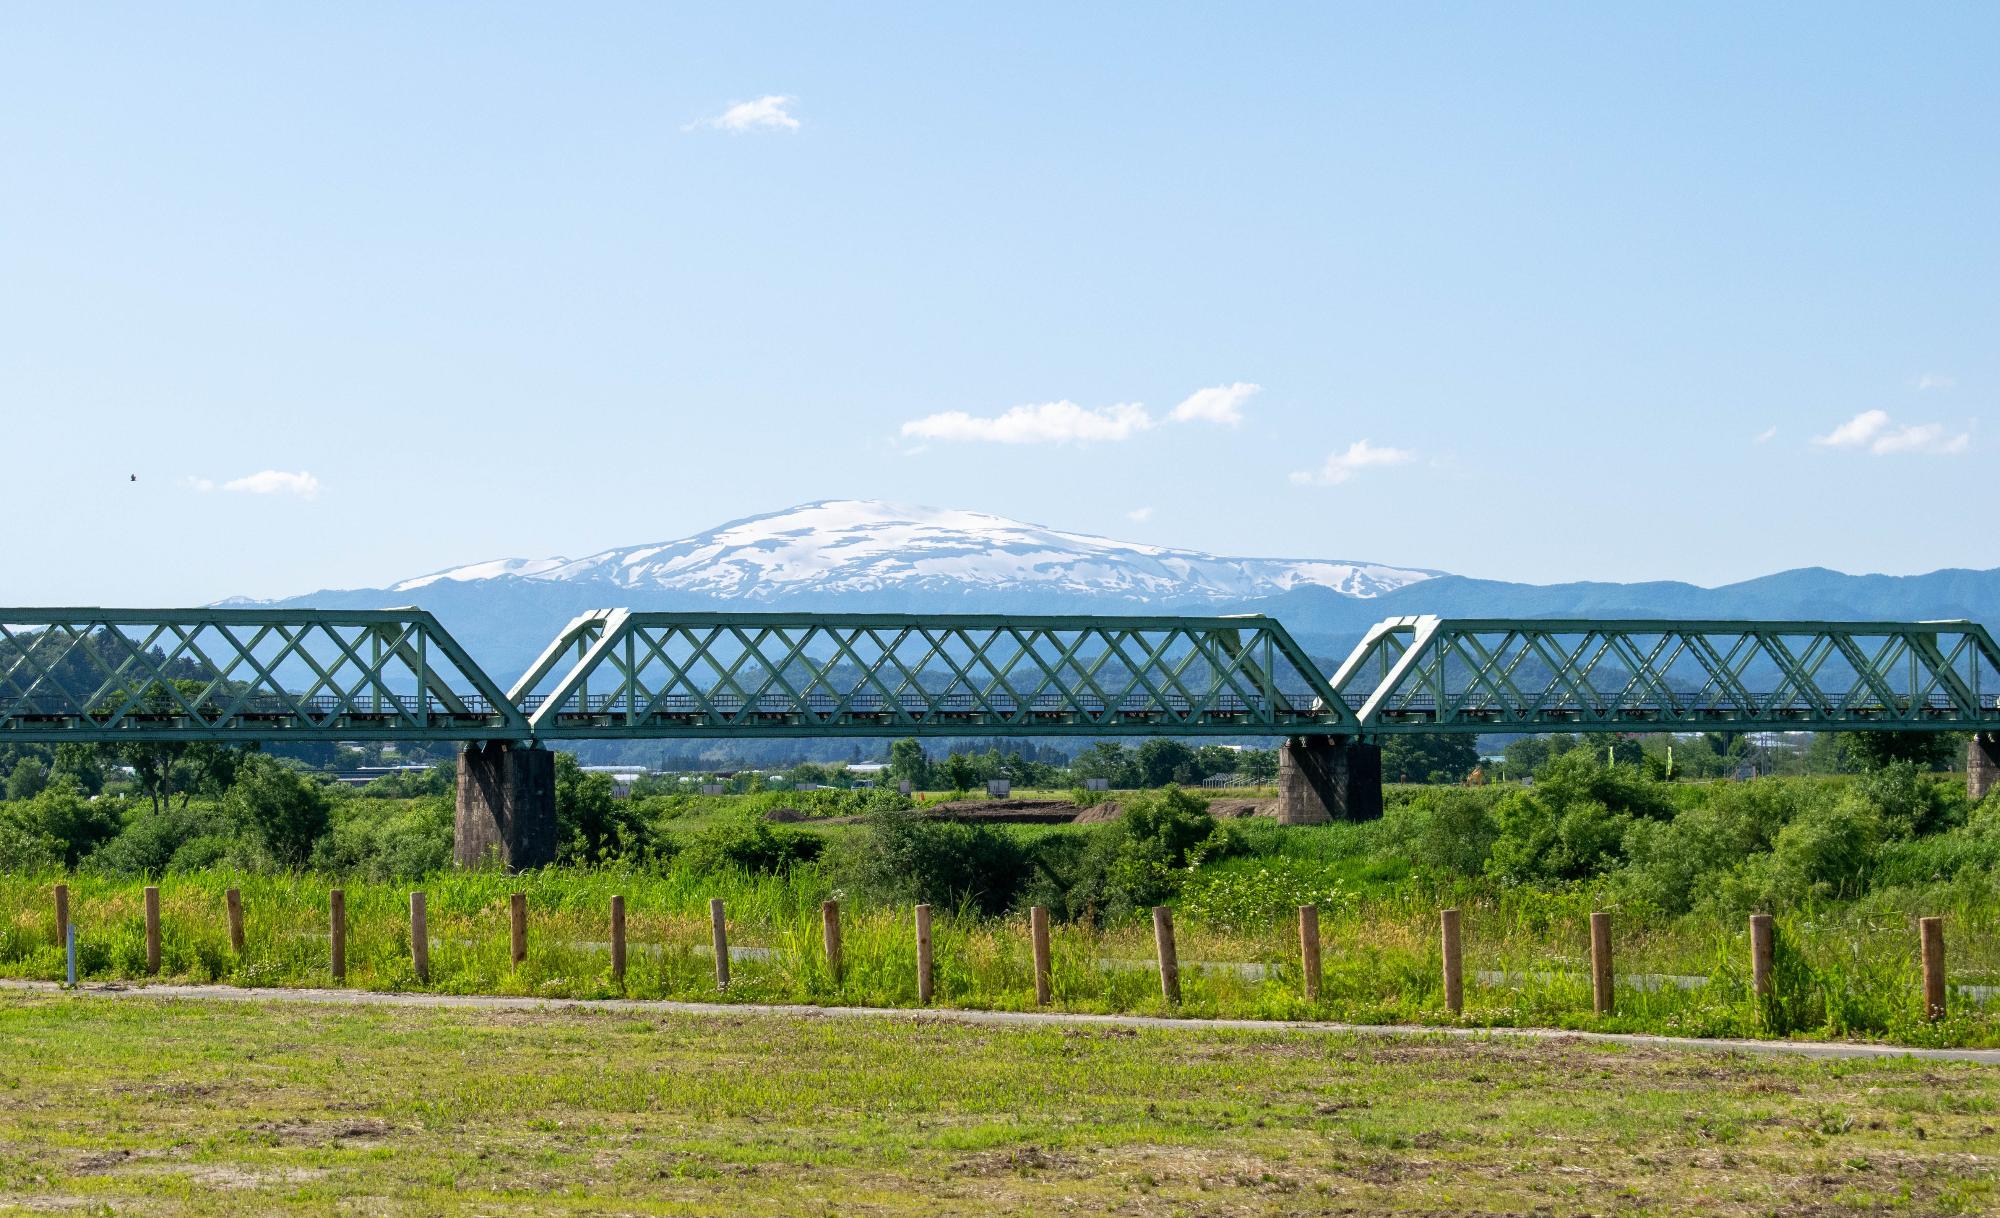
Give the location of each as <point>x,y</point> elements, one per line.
<point>1930,932</point>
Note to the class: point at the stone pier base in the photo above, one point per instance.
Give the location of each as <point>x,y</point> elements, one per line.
<point>1982,764</point>
<point>506,807</point>
<point>1327,778</point>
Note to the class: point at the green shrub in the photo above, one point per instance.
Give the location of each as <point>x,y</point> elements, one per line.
<point>288,809</point>
<point>377,841</point>
<point>592,826</point>
<point>150,839</point>
<point>60,816</point>
<point>1444,830</point>
<point>752,844</point>
<point>903,857</point>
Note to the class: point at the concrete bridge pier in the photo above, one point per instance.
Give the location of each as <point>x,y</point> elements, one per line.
<point>1328,778</point>
<point>506,807</point>
<point>1982,764</point>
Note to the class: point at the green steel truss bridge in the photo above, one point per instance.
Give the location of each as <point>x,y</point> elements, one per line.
<point>276,675</point>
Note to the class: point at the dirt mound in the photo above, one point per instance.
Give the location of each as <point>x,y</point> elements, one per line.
<point>786,816</point>
<point>1220,809</point>
<point>1005,811</point>
<point>1237,809</point>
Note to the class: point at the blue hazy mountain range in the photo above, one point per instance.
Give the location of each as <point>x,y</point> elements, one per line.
<point>860,556</point>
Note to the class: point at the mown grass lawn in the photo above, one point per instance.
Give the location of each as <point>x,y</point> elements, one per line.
<point>153,1106</point>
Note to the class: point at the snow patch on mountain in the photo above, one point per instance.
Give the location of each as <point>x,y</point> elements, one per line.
<point>851,545</point>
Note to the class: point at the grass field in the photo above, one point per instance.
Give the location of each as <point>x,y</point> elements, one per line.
<point>1381,953</point>
<point>142,1106</point>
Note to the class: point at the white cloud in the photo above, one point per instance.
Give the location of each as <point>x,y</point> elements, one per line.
<point>1935,380</point>
<point>1219,404</point>
<point>765,114</point>
<point>203,485</point>
<point>1339,467</point>
<point>264,482</point>
<point>1922,438</point>
<point>1047,423</point>
<point>1139,515</point>
<point>1856,431</point>
<point>1767,435</point>
<point>1877,432</point>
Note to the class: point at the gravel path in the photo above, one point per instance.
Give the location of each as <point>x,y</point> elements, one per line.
<point>487,1002</point>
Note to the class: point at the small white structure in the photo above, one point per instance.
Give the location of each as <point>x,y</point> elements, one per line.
<point>998,788</point>
<point>1097,784</point>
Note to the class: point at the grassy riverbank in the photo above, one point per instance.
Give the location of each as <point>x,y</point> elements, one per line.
<point>188,1108</point>
<point>1852,972</point>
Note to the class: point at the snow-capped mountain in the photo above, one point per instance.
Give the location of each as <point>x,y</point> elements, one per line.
<point>867,546</point>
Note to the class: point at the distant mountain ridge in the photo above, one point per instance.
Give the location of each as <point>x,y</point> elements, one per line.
<point>853,545</point>
<point>867,556</point>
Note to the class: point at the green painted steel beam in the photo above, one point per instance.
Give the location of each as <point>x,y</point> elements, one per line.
<point>245,675</point>
<point>1487,675</point>
<point>693,675</point>
<point>276,675</point>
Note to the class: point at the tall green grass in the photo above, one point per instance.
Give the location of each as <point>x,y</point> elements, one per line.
<point>1856,967</point>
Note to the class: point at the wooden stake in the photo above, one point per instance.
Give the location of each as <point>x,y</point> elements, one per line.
<point>233,901</point>
<point>1930,937</point>
<point>923,955</point>
<point>420,939</point>
<point>517,918</point>
<point>1038,934</point>
<point>1163,943</point>
<point>1760,955</point>
<point>1309,949</point>
<point>1454,961</point>
<point>1600,963</point>
<point>62,916</point>
<point>618,939</point>
<point>721,934</point>
<point>829,927</point>
<point>152,931</point>
<point>337,916</point>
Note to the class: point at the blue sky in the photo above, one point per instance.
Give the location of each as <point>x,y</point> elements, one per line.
<point>1531,292</point>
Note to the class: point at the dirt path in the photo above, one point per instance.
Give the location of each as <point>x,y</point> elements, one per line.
<point>224,993</point>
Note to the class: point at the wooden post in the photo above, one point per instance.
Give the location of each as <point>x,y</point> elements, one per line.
<point>517,919</point>
<point>1760,955</point>
<point>1038,935</point>
<point>923,955</point>
<point>1309,950</point>
<point>1454,961</point>
<point>152,931</point>
<point>420,939</point>
<point>233,901</point>
<point>829,927</point>
<point>618,939</point>
<point>62,916</point>
<point>337,916</point>
<point>721,935</point>
<point>1163,943</point>
<point>1930,937</point>
<point>1600,963</point>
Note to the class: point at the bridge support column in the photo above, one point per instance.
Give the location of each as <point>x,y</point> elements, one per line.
<point>506,807</point>
<point>1327,778</point>
<point>1982,764</point>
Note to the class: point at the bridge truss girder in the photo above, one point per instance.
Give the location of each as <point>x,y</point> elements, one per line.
<point>1429,674</point>
<point>271,675</point>
<point>761,674</point>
